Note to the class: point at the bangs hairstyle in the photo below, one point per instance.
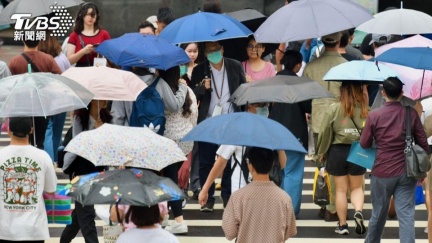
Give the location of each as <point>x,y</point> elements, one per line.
<point>50,46</point>
<point>79,21</point>
<point>352,95</point>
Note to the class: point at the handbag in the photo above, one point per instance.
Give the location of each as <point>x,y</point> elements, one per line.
<point>58,207</point>
<point>112,232</point>
<point>416,158</point>
<point>321,188</point>
<point>276,171</point>
<point>360,156</point>
<point>419,195</point>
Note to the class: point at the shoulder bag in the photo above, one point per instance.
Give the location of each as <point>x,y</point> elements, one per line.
<point>360,156</point>
<point>417,159</point>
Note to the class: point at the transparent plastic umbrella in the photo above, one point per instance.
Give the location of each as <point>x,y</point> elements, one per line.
<point>41,94</point>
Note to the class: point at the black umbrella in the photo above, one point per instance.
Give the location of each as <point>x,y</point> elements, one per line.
<point>236,48</point>
<point>129,186</point>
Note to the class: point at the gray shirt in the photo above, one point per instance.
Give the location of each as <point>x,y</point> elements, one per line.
<point>354,52</point>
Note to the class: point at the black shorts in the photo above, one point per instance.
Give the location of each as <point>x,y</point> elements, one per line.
<point>336,161</point>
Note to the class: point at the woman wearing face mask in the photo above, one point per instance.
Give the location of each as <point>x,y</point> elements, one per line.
<point>240,173</point>
<point>255,67</point>
<point>191,50</point>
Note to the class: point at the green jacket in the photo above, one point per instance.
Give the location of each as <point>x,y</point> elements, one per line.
<point>316,70</point>
<point>336,128</point>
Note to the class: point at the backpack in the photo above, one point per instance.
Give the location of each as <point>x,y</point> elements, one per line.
<point>148,110</point>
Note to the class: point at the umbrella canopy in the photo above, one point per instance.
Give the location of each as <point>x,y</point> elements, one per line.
<point>280,88</point>
<point>107,83</point>
<point>306,19</point>
<point>204,27</point>
<point>33,7</point>
<point>113,145</point>
<point>245,129</point>
<point>362,71</point>
<point>414,57</point>
<point>129,186</point>
<point>41,94</point>
<point>358,37</point>
<point>138,50</point>
<point>398,22</point>
<point>236,48</point>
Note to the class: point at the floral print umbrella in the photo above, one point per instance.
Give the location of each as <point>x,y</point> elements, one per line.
<point>113,145</point>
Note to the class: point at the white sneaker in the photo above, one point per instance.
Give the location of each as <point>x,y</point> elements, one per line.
<point>426,230</point>
<point>165,222</point>
<point>177,228</point>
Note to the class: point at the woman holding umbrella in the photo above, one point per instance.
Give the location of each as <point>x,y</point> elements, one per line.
<point>255,67</point>
<point>341,126</point>
<point>86,36</point>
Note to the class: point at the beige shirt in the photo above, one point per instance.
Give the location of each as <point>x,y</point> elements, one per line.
<point>316,70</point>
<point>260,203</point>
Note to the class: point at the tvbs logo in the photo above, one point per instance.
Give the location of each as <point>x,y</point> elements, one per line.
<point>36,29</point>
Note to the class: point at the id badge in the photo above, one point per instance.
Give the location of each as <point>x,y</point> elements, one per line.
<point>217,110</point>
<point>100,62</point>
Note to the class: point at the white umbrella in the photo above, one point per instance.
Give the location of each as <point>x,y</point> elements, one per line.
<point>398,22</point>
<point>306,19</point>
<point>113,145</point>
<point>41,94</point>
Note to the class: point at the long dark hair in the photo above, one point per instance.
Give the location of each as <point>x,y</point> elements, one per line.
<point>172,76</point>
<point>79,21</point>
<point>84,116</point>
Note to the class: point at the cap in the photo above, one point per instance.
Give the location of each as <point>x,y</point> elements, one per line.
<point>153,19</point>
<point>20,126</point>
<point>331,38</point>
<point>380,39</point>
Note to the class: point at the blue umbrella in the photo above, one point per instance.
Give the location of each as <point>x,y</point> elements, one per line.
<point>364,71</point>
<point>415,57</point>
<point>203,27</point>
<point>138,50</point>
<point>245,129</point>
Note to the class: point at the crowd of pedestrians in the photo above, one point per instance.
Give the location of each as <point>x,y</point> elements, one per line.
<point>201,89</point>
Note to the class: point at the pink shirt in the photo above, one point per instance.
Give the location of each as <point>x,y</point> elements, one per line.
<point>163,208</point>
<point>267,72</point>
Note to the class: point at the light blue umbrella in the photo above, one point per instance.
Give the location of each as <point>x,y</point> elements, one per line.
<point>245,129</point>
<point>362,71</point>
<point>415,57</point>
<point>138,50</point>
<point>204,27</point>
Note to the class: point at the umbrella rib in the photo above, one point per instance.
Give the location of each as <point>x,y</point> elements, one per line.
<point>37,91</point>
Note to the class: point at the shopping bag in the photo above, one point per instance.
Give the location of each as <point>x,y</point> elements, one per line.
<point>321,188</point>
<point>58,207</point>
<point>419,195</point>
<point>111,233</point>
<point>360,156</point>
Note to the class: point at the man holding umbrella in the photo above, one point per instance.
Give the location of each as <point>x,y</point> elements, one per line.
<point>316,70</point>
<point>213,83</point>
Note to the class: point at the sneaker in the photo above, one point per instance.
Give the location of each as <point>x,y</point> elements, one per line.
<point>165,222</point>
<point>359,226</point>
<point>342,230</point>
<point>426,230</point>
<point>196,194</point>
<point>208,207</point>
<point>177,228</point>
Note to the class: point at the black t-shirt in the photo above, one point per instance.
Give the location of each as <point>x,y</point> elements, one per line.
<point>365,48</point>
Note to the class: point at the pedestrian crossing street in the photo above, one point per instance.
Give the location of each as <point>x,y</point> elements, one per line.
<point>206,227</point>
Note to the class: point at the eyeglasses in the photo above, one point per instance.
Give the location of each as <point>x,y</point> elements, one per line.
<point>213,50</point>
<point>257,47</point>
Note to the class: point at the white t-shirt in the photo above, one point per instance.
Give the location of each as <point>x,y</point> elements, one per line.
<point>237,179</point>
<point>155,235</point>
<point>25,173</point>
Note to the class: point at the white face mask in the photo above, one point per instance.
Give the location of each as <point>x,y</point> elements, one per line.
<point>262,111</point>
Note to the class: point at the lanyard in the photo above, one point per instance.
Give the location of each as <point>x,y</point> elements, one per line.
<point>214,83</point>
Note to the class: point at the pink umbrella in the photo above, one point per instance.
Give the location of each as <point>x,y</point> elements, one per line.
<point>107,83</point>
<point>412,78</point>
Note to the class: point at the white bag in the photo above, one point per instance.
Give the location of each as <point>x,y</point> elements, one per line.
<point>111,233</point>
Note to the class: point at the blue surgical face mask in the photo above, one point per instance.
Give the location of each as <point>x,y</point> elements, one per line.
<point>183,70</point>
<point>215,57</point>
<point>262,111</point>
